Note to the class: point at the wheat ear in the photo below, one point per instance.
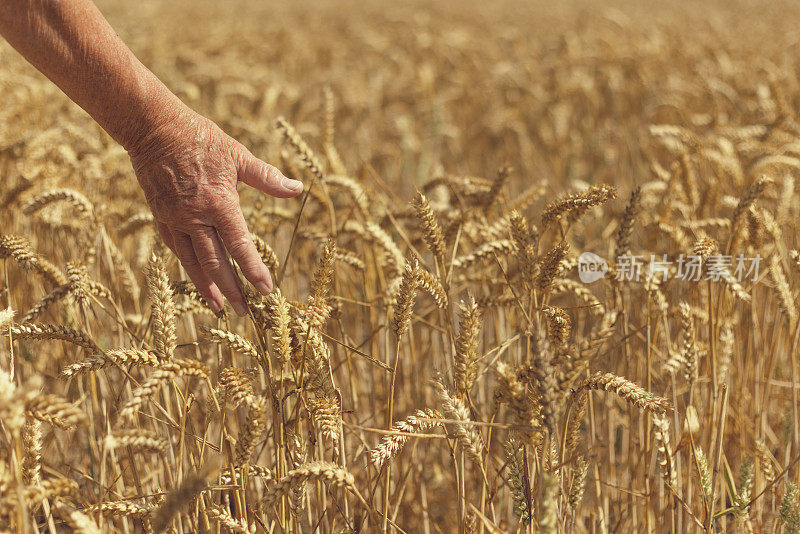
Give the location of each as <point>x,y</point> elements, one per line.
<point>225,519</point>
<point>318,308</point>
<point>120,509</point>
<point>626,390</point>
<point>55,411</point>
<point>237,385</point>
<point>119,356</point>
<point>431,231</point>
<point>48,331</point>
<point>79,522</point>
<point>6,317</point>
<point>623,242</point>
<point>19,249</point>
<point>469,437</point>
<point>575,205</point>
<point>137,439</point>
<point>32,452</point>
<point>466,356</point>
<point>167,371</point>
<point>163,307</point>
<point>392,444</point>
<point>329,473</point>
<point>182,497</point>
<point>253,429</point>
<point>232,340</point>
<point>404,303</point>
<point>301,148</point>
<point>430,283</point>
<point>550,267</point>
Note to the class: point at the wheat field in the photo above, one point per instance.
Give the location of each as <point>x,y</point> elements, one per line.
<point>435,359</point>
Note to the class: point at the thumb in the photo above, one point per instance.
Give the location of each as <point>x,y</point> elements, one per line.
<point>267,178</point>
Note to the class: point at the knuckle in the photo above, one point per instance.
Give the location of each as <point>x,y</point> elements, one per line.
<point>240,155</point>
<point>225,204</point>
<point>272,174</point>
<point>201,232</point>
<point>210,263</point>
<point>239,246</point>
<point>189,261</point>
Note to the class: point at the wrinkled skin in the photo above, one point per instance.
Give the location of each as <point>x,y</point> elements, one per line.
<point>186,165</point>
<point>188,168</point>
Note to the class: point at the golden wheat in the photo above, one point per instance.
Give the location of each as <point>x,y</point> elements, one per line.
<point>415,255</point>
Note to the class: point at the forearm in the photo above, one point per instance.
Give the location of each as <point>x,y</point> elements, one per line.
<point>187,166</point>
<point>72,44</point>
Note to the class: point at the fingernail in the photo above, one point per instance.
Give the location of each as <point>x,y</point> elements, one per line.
<point>263,288</point>
<point>215,306</point>
<point>294,185</point>
<point>239,308</point>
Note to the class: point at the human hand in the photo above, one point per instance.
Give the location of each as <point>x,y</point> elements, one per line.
<point>188,168</point>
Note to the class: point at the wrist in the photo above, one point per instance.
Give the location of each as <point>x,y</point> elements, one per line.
<point>154,112</point>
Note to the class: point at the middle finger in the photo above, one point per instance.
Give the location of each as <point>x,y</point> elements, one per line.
<point>214,261</point>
